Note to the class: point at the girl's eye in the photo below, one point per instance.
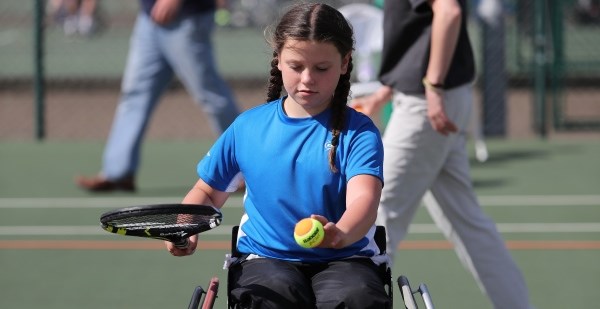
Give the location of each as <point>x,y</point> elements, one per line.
<point>322,69</point>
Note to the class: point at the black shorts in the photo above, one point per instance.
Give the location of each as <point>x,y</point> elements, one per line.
<point>271,283</point>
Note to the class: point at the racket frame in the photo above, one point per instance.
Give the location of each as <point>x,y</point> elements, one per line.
<point>155,230</point>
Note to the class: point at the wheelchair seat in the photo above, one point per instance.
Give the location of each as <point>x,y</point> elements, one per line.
<point>380,240</point>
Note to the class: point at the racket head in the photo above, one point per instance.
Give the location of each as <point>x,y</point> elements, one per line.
<point>171,222</point>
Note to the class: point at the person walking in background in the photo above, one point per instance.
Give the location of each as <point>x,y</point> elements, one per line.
<point>304,154</point>
<point>427,70</point>
<point>170,37</point>
<point>76,16</point>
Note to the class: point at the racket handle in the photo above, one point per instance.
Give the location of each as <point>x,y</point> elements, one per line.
<point>182,243</point>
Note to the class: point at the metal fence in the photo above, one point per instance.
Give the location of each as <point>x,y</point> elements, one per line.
<point>545,50</point>
<point>555,46</point>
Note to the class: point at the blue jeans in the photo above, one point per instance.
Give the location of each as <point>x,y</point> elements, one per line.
<point>156,53</point>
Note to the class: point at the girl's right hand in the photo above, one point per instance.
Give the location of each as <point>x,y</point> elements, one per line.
<point>189,250</point>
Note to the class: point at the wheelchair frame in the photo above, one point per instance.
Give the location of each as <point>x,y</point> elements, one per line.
<point>207,298</point>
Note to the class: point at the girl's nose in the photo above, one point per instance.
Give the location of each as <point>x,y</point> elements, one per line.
<point>307,77</point>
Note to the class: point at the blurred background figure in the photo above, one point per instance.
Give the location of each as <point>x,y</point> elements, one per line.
<point>367,22</point>
<point>587,11</point>
<point>76,16</point>
<point>170,37</point>
<point>427,71</point>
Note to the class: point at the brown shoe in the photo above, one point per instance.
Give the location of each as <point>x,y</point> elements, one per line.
<point>101,184</point>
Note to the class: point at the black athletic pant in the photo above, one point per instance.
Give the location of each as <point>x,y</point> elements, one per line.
<point>270,283</point>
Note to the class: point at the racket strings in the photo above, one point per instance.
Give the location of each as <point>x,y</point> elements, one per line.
<point>189,223</point>
<point>166,222</point>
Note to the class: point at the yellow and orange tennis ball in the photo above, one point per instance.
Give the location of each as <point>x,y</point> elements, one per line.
<point>309,233</point>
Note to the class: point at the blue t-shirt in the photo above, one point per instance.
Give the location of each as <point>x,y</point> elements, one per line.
<point>285,164</point>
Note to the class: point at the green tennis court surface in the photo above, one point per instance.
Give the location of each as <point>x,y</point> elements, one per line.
<point>545,197</point>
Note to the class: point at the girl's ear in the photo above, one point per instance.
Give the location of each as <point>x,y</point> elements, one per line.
<point>345,62</point>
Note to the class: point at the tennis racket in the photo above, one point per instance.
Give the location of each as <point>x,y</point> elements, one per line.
<point>171,222</point>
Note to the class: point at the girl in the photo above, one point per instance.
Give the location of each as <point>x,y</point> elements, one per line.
<point>304,154</point>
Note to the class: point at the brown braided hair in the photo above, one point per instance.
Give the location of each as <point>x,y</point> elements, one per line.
<point>320,23</point>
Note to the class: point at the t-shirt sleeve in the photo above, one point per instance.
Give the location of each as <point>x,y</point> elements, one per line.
<point>366,153</point>
<point>219,168</point>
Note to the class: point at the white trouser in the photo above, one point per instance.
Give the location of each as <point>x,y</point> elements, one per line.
<point>418,159</point>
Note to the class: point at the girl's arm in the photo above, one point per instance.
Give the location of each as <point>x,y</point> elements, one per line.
<point>362,201</point>
<point>201,193</point>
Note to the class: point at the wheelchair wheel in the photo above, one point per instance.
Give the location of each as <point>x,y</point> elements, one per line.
<point>408,294</point>
<point>210,295</point>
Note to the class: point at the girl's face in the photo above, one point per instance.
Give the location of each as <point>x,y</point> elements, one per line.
<point>311,71</point>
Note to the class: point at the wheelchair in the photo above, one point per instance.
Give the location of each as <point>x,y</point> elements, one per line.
<point>206,298</point>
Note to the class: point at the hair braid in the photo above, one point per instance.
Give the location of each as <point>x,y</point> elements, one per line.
<point>338,118</point>
<point>275,80</point>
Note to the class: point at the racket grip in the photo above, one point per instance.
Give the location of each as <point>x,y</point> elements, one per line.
<point>182,243</point>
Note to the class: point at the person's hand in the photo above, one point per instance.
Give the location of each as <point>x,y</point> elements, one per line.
<point>436,113</point>
<point>366,105</point>
<point>371,105</point>
<point>189,250</point>
<point>333,236</point>
<point>164,11</point>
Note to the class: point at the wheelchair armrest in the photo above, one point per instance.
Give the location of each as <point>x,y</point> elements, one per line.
<point>380,238</point>
<point>234,233</point>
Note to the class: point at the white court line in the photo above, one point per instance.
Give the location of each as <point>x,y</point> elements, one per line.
<point>235,201</point>
<point>95,202</point>
<point>521,228</point>
<point>505,228</point>
<point>78,230</point>
<point>540,200</point>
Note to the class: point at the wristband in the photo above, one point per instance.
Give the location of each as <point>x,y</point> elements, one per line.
<point>439,88</point>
